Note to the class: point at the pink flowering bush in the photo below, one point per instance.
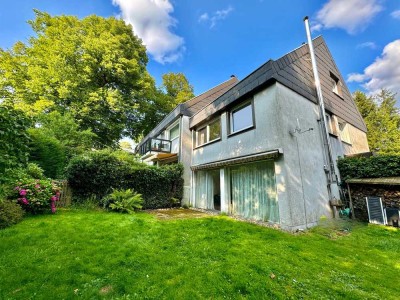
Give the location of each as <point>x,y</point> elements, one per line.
<point>37,195</point>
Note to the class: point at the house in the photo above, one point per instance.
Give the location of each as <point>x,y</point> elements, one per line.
<point>170,141</point>
<point>257,148</point>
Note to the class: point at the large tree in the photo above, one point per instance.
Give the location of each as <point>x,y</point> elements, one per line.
<point>177,88</point>
<point>382,119</point>
<point>93,68</point>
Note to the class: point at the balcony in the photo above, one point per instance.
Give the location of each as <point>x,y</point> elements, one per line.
<point>155,145</point>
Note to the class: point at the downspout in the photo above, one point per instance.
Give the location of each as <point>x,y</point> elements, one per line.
<point>330,169</point>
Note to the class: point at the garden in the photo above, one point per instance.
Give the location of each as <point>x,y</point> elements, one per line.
<point>93,254</point>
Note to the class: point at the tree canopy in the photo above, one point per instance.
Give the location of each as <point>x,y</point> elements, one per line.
<point>93,68</point>
<point>382,119</point>
<point>177,87</point>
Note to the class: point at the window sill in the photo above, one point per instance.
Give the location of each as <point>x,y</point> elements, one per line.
<point>340,96</point>
<point>334,135</point>
<point>241,131</point>
<point>347,143</point>
<point>206,144</point>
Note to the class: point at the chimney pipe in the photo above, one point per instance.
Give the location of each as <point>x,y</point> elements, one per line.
<point>327,144</point>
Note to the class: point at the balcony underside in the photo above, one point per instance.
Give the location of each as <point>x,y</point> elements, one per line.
<point>157,156</point>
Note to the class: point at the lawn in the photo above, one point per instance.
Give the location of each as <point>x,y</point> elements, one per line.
<point>94,254</point>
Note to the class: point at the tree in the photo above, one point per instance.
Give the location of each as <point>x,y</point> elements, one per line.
<point>177,88</point>
<point>382,119</point>
<point>161,101</point>
<point>14,139</point>
<point>66,130</point>
<point>94,69</point>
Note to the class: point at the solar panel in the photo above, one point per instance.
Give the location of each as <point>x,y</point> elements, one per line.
<point>376,213</point>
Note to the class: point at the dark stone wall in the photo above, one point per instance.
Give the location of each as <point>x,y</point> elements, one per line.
<point>390,197</point>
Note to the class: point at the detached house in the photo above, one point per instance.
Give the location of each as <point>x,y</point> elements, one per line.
<point>258,148</point>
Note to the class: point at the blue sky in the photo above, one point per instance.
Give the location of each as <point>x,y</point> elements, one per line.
<point>209,40</point>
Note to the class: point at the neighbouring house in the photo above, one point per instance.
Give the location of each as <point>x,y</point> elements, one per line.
<point>256,148</point>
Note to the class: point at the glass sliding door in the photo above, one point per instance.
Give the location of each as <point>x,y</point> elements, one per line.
<point>253,191</point>
<point>207,192</point>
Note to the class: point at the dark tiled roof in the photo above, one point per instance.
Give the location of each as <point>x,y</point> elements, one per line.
<point>192,106</point>
<point>294,70</point>
<point>196,104</point>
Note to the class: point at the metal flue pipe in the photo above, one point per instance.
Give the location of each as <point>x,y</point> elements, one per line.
<point>328,148</point>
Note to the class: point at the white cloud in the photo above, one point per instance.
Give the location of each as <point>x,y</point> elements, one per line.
<point>215,17</point>
<point>370,45</point>
<point>350,15</point>
<point>152,22</point>
<point>384,72</point>
<point>396,14</point>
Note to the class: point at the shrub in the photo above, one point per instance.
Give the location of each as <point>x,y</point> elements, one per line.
<point>97,173</point>
<point>47,152</point>
<point>124,201</point>
<point>10,213</point>
<point>13,139</point>
<point>36,196</point>
<point>374,166</point>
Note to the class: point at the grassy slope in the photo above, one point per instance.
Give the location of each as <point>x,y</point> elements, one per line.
<point>92,255</point>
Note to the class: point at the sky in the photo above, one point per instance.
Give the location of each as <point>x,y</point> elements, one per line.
<point>210,40</point>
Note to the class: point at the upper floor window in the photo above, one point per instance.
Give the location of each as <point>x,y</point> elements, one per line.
<point>241,118</point>
<point>336,85</point>
<point>208,133</point>
<point>344,132</point>
<point>330,124</point>
<point>174,132</point>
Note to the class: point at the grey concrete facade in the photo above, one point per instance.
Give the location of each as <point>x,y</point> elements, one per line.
<point>286,129</point>
<point>300,177</point>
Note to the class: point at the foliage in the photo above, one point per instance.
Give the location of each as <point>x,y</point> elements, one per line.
<point>36,195</point>
<point>14,140</point>
<point>96,173</point>
<point>48,152</point>
<point>10,213</point>
<point>374,166</point>
<point>125,145</point>
<point>140,257</point>
<point>382,119</point>
<point>124,201</point>
<point>65,129</point>
<point>177,88</point>
<point>93,68</point>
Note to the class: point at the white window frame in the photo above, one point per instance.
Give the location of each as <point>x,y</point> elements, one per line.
<point>207,138</point>
<point>344,133</point>
<point>336,84</point>
<point>238,108</point>
<point>168,131</point>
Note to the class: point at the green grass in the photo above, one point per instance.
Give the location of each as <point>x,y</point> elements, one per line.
<point>94,254</point>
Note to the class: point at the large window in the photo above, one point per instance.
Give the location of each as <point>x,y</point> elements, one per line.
<point>210,132</point>
<point>253,191</point>
<point>241,118</point>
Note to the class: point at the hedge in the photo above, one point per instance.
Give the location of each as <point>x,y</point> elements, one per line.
<point>371,167</point>
<point>97,173</point>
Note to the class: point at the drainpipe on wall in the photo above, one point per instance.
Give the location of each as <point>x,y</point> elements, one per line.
<point>330,169</point>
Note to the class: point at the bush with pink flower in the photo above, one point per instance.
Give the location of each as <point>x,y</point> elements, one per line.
<point>37,195</point>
